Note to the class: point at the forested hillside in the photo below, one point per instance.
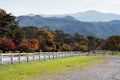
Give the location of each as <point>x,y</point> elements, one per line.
<point>14,37</point>
<point>70,25</point>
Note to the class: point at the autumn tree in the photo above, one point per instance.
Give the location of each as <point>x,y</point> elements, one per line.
<point>44,36</point>
<point>34,44</point>
<point>65,47</point>
<point>113,43</point>
<point>76,47</point>
<point>24,45</point>
<point>7,45</point>
<point>83,48</point>
<point>10,45</point>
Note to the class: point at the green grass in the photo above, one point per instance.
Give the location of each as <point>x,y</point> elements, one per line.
<point>106,54</point>
<point>24,71</point>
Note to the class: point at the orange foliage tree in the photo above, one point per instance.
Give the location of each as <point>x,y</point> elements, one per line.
<point>34,44</point>
<point>83,48</point>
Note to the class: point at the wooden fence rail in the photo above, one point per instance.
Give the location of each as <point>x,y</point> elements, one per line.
<point>11,58</point>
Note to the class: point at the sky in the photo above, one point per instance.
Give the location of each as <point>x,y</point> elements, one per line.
<point>23,7</point>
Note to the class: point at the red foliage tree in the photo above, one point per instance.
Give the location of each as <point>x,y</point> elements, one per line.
<point>10,44</point>
<point>24,46</point>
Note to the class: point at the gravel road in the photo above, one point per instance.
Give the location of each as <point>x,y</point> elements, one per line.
<point>108,70</point>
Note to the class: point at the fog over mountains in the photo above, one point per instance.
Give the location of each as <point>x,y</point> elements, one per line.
<point>90,23</point>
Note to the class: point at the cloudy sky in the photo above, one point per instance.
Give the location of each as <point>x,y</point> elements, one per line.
<point>23,7</point>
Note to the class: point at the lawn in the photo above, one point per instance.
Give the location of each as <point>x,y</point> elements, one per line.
<point>24,71</point>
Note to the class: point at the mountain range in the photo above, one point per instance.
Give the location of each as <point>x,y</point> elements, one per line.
<point>88,16</point>
<point>71,25</point>
<point>95,16</point>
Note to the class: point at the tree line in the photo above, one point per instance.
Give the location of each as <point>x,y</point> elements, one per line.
<point>31,38</point>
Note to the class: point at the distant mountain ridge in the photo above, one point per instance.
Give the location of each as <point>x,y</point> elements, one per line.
<point>71,25</point>
<point>95,16</point>
<point>88,16</point>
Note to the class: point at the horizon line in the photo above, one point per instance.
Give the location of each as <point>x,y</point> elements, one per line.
<point>64,13</point>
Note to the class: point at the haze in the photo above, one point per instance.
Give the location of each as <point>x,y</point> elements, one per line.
<point>22,7</point>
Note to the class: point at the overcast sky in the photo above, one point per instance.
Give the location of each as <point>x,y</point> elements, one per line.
<point>23,7</point>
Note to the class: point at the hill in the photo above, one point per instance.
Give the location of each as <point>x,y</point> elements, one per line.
<point>71,25</point>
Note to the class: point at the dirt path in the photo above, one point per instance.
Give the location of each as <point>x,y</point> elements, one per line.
<point>109,70</point>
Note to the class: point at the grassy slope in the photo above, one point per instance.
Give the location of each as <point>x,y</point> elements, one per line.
<point>24,71</point>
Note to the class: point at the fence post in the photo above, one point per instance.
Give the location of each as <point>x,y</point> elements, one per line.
<point>33,56</point>
<point>49,55</point>
<point>19,57</point>
<point>65,54</point>
<point>70,53</point>
<point>76,53</point>
<point>11,58</point>
<point>62,55</point>
<point>1,59</point>
<point>59,54</point>
<point>79,53</point>
<point>39,56</point>
<point>27,57</point>
<point>53,55</point>
<point>87,53</point>
<point>44,56</point>
<point>56,55</point>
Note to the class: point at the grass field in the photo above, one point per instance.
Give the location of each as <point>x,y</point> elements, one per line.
<point>24,71</point>
<point>106,54</point>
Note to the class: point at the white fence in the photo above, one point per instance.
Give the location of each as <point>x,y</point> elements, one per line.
<point>11,58</point>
